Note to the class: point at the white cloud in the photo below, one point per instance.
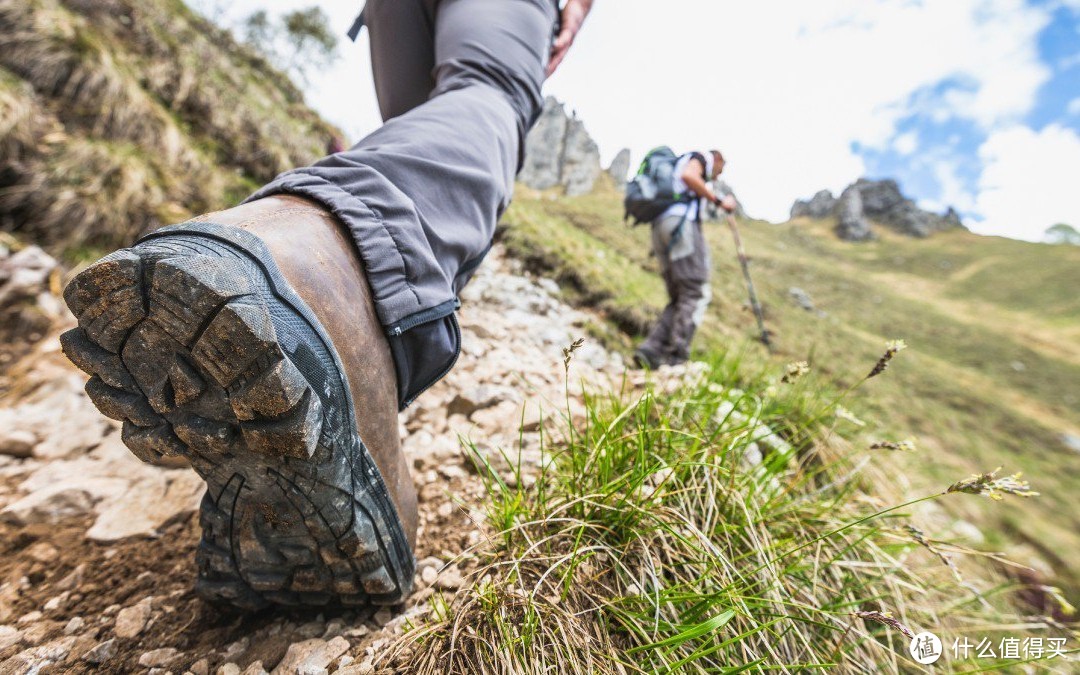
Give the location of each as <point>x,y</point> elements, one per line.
<point>1074,106</point>
<point>953,191</point>
<point>1029,181</point>
<point>906,144</point>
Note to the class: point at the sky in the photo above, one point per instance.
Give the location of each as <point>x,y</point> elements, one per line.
<point>973,104</point>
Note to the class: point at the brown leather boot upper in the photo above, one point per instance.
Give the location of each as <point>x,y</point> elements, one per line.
<point>320,262</point>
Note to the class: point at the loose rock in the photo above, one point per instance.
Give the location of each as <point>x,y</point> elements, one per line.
<point>9,635</point>
<point>102,653</point>
<point>158,657</point>
<point>131,620</point>
<point>17,443</point>
<point>311,656</point>
<point>48,506</point>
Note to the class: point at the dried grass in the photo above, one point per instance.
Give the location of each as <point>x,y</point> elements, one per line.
<point>61,57</point>
<point>118,116</point>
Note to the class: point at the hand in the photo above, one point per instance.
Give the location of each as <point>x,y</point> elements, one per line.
<point>573,15</point>
<point>728,203</point>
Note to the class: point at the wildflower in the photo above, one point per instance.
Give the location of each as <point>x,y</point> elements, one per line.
<point>897,446</point>
<point>887,619</point>
<point>568,352</point>
<point>990,485</point>
<point>892,348</point>
<point>794,371</point>
<point>843,413</point>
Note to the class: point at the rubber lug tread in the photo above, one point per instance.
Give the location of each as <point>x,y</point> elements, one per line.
<point>182,345</point>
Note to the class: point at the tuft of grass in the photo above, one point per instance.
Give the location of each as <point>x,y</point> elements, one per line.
<point>668,534</point>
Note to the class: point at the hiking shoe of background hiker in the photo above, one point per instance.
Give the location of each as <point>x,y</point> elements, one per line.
<point>646,360</point>
<point>246,342</point>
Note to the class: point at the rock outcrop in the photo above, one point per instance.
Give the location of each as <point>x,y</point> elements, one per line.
<point>850,223</point>
<point>821,205</point>
<point>560,153</point>
<point>620,167</point>
<point>722,189</point>
<point>880,201</point>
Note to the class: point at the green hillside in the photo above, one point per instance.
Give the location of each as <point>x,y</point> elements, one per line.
<point>120,116</point>
<point>992,377</point>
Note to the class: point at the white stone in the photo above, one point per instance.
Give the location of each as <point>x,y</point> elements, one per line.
<point>130,621</point>
<point>9,635</point>
<point>48,505</point>
<point>158,657</point>
<point>100,653</point>
<point>311,656</point>
<point>147,505</point>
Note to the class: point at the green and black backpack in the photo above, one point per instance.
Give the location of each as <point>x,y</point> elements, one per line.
<point>652,190</point>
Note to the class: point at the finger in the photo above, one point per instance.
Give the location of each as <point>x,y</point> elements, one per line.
<point>564,39</point>
<point>556,59</point>
<point>559,50</point>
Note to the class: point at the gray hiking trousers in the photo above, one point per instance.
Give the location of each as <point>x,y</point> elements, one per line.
<point>458,83</point>
<point>684,265</point>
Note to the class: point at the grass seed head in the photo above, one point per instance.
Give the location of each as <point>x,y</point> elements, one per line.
<point>887,619</point>
<point>920,538</point>
<point>1063,605</point>
<point>568,352</point>
<point>896,446</point>
<point>989,485</point>
<point>892,348</point>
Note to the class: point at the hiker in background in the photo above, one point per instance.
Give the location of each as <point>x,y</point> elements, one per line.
<point>679,245</point>
<point>272,344</point>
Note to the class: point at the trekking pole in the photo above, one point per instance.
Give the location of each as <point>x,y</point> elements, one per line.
<point>749,283</point>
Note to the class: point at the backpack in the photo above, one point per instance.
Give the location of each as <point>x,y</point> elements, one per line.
<point>652,190</point>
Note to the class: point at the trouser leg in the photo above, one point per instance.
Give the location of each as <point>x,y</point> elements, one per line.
<point>421,195</point>
<point>657,342</point>
<point>688,269</point>
<point>693,298</point>
<point>402,53</point>
<point>678,246</point>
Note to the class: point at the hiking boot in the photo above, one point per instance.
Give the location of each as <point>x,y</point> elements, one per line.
<point>246,342</point>
<point>647,360</point>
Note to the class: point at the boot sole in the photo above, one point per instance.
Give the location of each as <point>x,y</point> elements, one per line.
<point>195,341</point>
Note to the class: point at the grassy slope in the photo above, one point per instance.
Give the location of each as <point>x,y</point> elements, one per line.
<point>120,116</point>
<point>993,376</point>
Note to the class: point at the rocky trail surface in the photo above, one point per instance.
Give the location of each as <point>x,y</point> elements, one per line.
<point>96,548</point>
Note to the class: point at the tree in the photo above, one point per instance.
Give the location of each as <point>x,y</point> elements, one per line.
<point>308,32</point>
<point>1062,234</point>
<point>259,31</point>
<point>295,42</point>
